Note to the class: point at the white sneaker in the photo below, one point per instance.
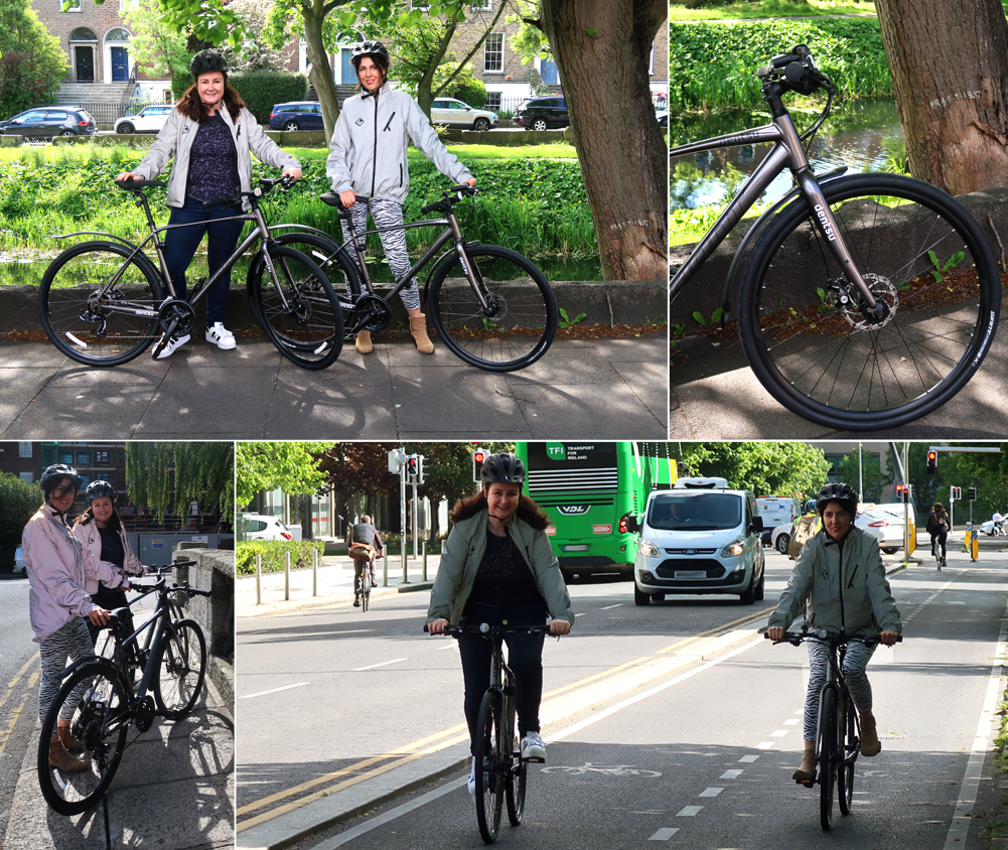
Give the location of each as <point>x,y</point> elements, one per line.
<point>533,748</point>
<point>173,344</point>
<point>472,779</point>
<point>221,337</point>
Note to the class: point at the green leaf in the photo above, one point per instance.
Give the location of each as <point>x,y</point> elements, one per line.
<point>699,317</point>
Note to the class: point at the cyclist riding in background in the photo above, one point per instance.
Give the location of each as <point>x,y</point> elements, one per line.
<point>938,527</point>
<point>840,583</point>
<point>998,521</point>
<point>364,539</point>
<point>498,568</point>
<point>211,134</point>
<point>367,157</point>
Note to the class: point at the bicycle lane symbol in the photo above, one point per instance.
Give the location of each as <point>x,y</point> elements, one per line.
<point>613,770</point>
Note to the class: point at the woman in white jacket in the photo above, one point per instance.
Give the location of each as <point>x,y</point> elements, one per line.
<point>367,156</point>
<point>59,567</point>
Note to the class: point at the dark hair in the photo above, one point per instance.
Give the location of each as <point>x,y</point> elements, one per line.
<point>528,511</point>
<point>113,523</point>
<point>938,507</point>
<point>191,106</point>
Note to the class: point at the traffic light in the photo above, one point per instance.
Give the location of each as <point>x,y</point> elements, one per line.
<point>956,493</point>
<point>420,469</point>
<point>479,455</point>
<point>932,462</point>
<point>396,458</point>
<point>902,493</point>
<point>972,494</point>
<point>412,465</point>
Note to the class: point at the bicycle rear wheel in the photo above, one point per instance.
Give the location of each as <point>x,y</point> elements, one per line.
<point>365,590</point>
<point>98,706</point>
<point>849,745</point>
<point>181,668</point>
<point>489,763</point>
<point>829,732</point>
<point>922,255</point>
<point>520,319</point>
<point>81,321</point>
<point>516,771</point>
<point>302,317</point>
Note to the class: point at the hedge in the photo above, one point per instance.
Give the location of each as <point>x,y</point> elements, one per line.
<point>273,554</point>
<point>261,90</point>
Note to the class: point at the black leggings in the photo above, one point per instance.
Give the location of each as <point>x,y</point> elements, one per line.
<point>524,659</point>
<point>941,537</point>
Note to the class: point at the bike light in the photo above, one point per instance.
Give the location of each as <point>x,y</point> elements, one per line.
<point>648,549</point>
<point>733,549</point>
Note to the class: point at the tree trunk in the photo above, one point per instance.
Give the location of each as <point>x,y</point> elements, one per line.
<point>313,13</point>
<point>425,97</point>
<point>602,49</point>
<point>949,66</point>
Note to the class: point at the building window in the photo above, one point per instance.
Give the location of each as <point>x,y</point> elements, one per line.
<point>24,449</point>
<point>493,101</point>
<point>481,6</point>
<point>26,476</point>
<point>69,5</point>
<point>493,53</point>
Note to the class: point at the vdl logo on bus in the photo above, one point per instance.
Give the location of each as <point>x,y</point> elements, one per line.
<point>573,510</point>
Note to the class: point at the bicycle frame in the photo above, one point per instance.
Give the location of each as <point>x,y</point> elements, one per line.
<point>786,153</point>
<point>835,682</point>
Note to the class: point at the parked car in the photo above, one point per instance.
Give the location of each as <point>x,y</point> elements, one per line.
<point>455,113</point>
<point>265,527</point>
<point>780,537</point>
<point>662,117</point>
<point>296,115</point>
<point>49,121</point>
<point>885,527</point>
<point>541,113</point>
<point>19,565</point>
<point>150,119</point>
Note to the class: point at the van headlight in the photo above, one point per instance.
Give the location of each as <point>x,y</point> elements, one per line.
<point>648,549</point>
<point>734,549</point>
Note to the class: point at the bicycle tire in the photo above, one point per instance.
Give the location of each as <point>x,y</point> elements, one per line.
<point>78,324</point>
<point>100,722</point>
<point>181,668</point>
<point>303,320</point>
<point>819,357</point>
<point>828,739</point>
<point>365,591</point>
<point>517,771</point>
<point>489,773</point>
<point>849,745</point>
<point>519,325</point>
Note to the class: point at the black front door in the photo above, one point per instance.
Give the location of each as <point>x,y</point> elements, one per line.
<point>85,65</point>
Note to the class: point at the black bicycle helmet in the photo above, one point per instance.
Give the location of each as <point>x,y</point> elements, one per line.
<point>98,489</point>
<point>54,474</point>
<point>206,61</point>
<point>838,492</point>
<point>375,49</point>
<point>502,469</point>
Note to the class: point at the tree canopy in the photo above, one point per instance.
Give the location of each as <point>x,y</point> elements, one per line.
<point>18,501</point>
<point>771,468</point>
<point>32,63</point>
<point>203,471</point>
<point>293,467</point>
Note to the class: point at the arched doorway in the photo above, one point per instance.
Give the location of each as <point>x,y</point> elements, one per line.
<point>83,44</point>
<point>117,55</point>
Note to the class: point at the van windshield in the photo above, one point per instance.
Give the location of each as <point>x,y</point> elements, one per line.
<point>695,511</point>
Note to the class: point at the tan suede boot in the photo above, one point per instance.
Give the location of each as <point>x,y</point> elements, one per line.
<point>363,342</point>
<point>62,760</point>
<point>870,744</point>
<point>418,327</point>
<point>805,773</point>
<point>69,742</point>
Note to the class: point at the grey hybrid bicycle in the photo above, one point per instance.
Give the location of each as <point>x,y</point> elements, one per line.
<point>866,301</point>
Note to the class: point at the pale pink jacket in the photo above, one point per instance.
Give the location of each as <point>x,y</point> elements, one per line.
<point>90,536</point>
<point>59,566</point>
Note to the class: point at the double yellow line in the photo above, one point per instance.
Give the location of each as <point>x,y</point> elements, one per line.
<point>21,686</point>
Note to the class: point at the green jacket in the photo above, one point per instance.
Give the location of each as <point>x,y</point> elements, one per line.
<point>461,557</point>
<point>850,597</point>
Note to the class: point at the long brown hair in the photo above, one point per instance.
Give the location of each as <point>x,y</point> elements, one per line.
<point>113,523</point>
<point>528,511</point>
<point>191,106</point>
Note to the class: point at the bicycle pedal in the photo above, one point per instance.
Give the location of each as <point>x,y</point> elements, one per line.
<point>535,761</point>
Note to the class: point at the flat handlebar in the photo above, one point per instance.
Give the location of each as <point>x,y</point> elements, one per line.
<point>488,631</point>
<point>830,639</point>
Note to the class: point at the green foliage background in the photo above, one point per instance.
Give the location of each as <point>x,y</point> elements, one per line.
<point>771,468</point>
<point>18,501</point>
<point>34,63</point>
<point>203,471</point>
<point>273,554</point>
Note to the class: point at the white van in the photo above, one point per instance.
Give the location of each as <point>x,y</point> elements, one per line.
<point>699,538</point>
<point>777,511</point>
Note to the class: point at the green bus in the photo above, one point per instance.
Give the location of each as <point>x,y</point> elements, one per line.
<point>587,489</point>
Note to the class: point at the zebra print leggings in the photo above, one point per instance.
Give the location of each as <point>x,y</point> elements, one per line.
<point>70,640</point>
<point>387,214</point>
<point>854,666</point>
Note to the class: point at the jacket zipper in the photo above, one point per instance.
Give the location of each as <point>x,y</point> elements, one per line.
<point>374,153</point>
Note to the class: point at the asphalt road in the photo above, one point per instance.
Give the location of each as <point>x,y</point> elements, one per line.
<point>699,756</point>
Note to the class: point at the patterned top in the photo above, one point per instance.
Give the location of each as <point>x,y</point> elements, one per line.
<point>112,547</point>
<point>213,162</point>
<point>503,578</point>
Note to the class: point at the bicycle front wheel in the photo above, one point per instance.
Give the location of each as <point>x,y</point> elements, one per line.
<point>517,772</point>
<point>97,704</point>
<point>489,773</point>
<point>302,316</point>
<point>518,322</point>
<point>828,755</point>
<point>925,259</point>
<point>87,299</point>
<point>849,745</point>
<point>181,668</point>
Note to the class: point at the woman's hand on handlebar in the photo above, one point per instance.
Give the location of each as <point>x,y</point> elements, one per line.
<point>128,175</point>
<point>889,638</point>
<point>437,627</point>
<point>98,616</point>
<point>293,173</point>
<point>559,627</point>
<point>348,198</point>
<point>776,633</point>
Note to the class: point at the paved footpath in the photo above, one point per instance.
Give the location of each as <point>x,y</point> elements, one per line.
<point>581,389</point>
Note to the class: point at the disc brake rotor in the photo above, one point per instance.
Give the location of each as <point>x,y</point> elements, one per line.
<point>885,292</point>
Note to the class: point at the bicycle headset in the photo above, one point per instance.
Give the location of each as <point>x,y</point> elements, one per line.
<point>839,492</point>
<point>54,474</point>
<point>502,469</point>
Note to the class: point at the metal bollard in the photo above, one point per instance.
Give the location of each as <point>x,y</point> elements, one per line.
<point>384,568</point>
<point>258,579</point>
<point>425,560</point>
<point>314,571</point>
<point>286,576</point>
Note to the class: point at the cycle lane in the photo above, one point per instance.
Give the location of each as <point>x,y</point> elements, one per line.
<point>726,737</point>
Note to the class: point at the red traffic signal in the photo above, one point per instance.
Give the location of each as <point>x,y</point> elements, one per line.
<point>478,456</point>
<point>932,462</point>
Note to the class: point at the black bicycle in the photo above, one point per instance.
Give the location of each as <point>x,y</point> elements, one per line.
<point>99,697</point>
<point>102,303</point>
<point>492,307</point>
<point>838,734</point>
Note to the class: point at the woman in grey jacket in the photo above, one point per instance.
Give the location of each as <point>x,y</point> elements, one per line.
<point>840,581</point>
<point>497,566</point>
<point>211,134</point>
<point>367,156</point>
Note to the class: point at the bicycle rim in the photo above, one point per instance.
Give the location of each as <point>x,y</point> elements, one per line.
<point>181,667</point>
<point>302,317</point>
<point>849,747</point>
<point>81,322</point>
<point>828,732</point>
<point>100,721</point>
<point>516,775</point>
<point>923,256</point>
<point>489,776</point>
<point>519,322</point>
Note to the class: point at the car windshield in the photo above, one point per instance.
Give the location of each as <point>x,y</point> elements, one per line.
<point>695,512</point>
